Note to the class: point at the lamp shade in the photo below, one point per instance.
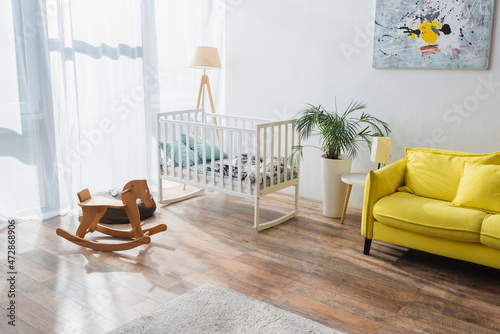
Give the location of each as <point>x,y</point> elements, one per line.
<point>381,150</point>
<point>205,57</point>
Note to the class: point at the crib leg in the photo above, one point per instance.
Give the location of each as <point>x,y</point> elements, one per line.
<point>277,221</point>
<point>160,188</point>
<point>256,213</point>
<point>297,197</point>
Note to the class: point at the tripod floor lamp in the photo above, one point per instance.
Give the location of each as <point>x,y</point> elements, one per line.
<point>206,58</point>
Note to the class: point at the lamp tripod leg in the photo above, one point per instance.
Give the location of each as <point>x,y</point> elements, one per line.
<point>200,93</point>
<point>211,103</point>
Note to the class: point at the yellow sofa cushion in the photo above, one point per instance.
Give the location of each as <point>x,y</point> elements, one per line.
<point>490,232</point>
<point>429,216</point>
<point>479,187</point>
<point>436,173</point>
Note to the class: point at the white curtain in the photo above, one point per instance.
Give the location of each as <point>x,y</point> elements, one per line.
<point>85,80</point>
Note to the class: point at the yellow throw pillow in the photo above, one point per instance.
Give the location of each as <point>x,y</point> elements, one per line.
<point>479,187</point>
<point>436,173</point>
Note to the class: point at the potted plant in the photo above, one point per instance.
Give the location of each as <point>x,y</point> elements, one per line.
<point>341,137</point>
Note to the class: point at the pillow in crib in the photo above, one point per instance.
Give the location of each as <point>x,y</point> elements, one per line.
<point>183,153</point>
<point>208,148</point>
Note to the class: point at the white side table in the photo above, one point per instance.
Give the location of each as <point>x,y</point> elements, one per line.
<point>357,179</point>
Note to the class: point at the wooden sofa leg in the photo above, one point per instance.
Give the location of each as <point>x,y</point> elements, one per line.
<point>368,244</point>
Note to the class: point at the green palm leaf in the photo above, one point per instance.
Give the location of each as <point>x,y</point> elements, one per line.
<point>339,133</point>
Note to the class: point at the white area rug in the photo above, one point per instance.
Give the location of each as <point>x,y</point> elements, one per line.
<point>213,309</point>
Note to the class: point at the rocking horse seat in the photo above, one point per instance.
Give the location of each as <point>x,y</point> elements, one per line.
<point>103,201</point>
<point>118,215</point>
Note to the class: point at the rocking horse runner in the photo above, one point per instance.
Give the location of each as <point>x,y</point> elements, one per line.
<point>93,209</point>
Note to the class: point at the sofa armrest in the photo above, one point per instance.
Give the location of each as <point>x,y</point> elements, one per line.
<point>378,184</point>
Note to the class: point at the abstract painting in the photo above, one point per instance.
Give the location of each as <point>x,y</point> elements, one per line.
<point>432,34</point>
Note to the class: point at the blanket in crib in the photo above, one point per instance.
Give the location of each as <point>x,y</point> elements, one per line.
<point>248,168</point>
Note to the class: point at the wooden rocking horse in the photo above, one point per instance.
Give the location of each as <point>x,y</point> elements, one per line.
<point>94,208</point>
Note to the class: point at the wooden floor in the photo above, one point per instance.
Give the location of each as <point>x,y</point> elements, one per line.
<point>311,265</point>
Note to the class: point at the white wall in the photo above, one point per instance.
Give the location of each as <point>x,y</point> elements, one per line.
<point>283,54</point>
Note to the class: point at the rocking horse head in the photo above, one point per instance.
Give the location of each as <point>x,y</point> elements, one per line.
<point>137,189</point>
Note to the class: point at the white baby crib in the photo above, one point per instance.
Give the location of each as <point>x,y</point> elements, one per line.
<point>253,158</point>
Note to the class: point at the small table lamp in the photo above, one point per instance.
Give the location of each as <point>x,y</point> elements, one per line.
<point>381,150</point>
<point>206,58</point>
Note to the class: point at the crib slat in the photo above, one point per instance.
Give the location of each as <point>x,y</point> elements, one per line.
<point>230,158</point>
<point>165,156</point>
<point>293,160</point>
<point>188,160</point>
<point>239,163</point>
<point>179,154</point>
<point>221,156</point>
<point>212,151</point>
<point>257,162</point>
<point>264,173</point>
<point>253,150</point>
<point>159,156</point>
<point>286,178</point>
<point>279,155</point>
<point>271,157</point>
<point>204,148</point>
<point>195,138</point>
<point>298,170</point>
<point>172,149</point>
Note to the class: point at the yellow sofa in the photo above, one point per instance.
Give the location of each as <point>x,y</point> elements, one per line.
<point>437,201</point>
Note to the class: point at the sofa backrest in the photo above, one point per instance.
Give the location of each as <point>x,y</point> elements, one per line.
<point>436,173</point>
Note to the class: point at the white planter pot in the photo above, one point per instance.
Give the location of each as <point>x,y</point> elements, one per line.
<point>334,190</point>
